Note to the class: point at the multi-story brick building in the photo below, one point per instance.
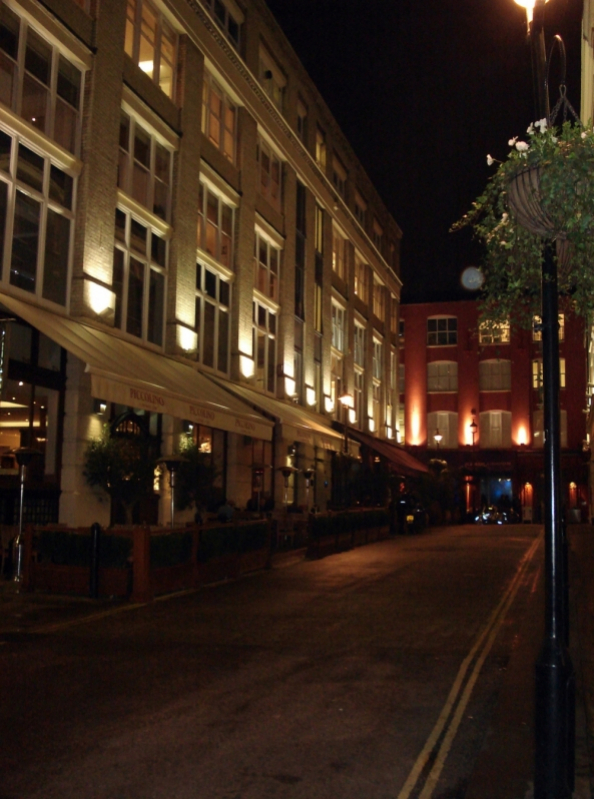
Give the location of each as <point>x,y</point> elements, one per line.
<point>472,394</point>
<point>188,243</point>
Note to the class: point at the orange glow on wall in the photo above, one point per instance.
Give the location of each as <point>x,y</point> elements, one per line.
<point>522,435</point>
<point>415,429</point>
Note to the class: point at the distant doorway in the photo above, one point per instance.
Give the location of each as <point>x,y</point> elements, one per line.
<point>496,491</point>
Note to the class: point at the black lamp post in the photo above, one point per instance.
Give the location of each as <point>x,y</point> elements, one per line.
<point>554,683</point>
<point>24,456</point>
<point>172,462</point>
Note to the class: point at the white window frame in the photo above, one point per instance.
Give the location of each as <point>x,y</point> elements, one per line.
<point>495,429</point>
<point>377,361</point>
<point>361,286</point>
<point>360,209</point>
<point>163,30</point>
<point>446,329</point>
<point>151,266</point>
<point>339,327</point>
<point>222,250</point>
<point>447,424</point>
<point>219,309</point>
<point>442,376</point>
<point>265,330</point>
<point>266,280</point>
<point>321,148</point>
<point>219,128</point>
<point>378,235</point>
<point>230,21</point>
<point>338,253</point>
<point>359,339</point>
<point>19,190</point>
<point>21,73</point>
<point>495,375</point>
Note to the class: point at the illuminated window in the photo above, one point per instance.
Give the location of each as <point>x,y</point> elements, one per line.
<point>144,167</point>
<point>39,81</point>
<point>359,381</point>
<point>139,278</point>
<point>442,376</point>
<point>321,153</point>
<point>442,331</point>
<point>339,176</point>
<point>219,117</point>
<point>266,266</point>
<point>213,300</point>
<point>537,373</point>
<point>151,43</point>
<point>495,429</point>
<point>378,359</point>
<point>495,375</point>
<point>264,332</point>
<point>361,289</point>
<point>379,300</point>
<point>444,424</point>
<point>494,333</point>
<point>270,168</point>
<point>338,328</point>
<point>537,329</point>
<point>338,254</point>
<point>359,345</point>
<point>228,17</point>
<point>215,226</point>
<point>37,204</point>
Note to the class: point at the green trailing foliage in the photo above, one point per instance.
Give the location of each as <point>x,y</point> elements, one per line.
<point>194,482</point>
<point>564,157</point>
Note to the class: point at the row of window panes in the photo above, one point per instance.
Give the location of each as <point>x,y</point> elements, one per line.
<point>139,279</point>
<point>537,373</point>
<point>359,345</point>
<point>443,330</point>
<point>493,376</point>
<point>36,221</point>
<point>361,280</point>
<point>338,328</point>
<point>219,118</point>
<point>378,359</point>
<point>379,301</point>
<point>264,347</point>
<point>225,20</point>
<point>144,167</point>
<point>38,82</point>
<point>151,43</point>
<point>494,429</point>
<point>338,254</point>
<point>215,226</point>
<point>270,170</point>
<point>212,318</point>
<point>271,82</point>
<point>266,266</point>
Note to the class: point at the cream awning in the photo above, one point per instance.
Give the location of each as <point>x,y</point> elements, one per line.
<point>402,461</point>
<point>296,423</point>
<point>128,374</point>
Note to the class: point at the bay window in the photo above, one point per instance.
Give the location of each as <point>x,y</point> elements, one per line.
<point>213,294</point>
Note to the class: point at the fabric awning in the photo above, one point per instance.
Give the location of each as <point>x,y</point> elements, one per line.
<point>297,423</point>
<point>403,462</point>
<point>125,373</point>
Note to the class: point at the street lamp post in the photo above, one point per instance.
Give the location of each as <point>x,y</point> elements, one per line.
<point>473,428</point>
<point>24,456</point>
<point>554,679</point>
<point>437,437</point>
<point>172,463</point>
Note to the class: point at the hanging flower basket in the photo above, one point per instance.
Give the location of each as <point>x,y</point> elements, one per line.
<point>544,190</point>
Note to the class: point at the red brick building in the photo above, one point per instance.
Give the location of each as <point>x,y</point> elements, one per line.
<point>472,396</point>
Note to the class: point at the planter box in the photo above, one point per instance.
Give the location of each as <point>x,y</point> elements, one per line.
<point>253,561</point>
<point>168,579</point>
<point>217,569</point>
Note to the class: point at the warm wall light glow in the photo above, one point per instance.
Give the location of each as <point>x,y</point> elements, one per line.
<point>187,339</point>
<point>310,395</point>
<point>522,436</point>
<point>328,404</point>
<point>99,299</point>
<point>352,416</point>
<point>246,364</point>
<point>389,432</point>
<point>372,425</point>
<point>290,386</point>
<point>415,428</point>
<point>529,6</point>
<point>346,400</point>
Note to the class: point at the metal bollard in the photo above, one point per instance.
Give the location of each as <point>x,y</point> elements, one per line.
<point>95,553</point>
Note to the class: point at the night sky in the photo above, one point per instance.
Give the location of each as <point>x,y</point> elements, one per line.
<point>423,90</point>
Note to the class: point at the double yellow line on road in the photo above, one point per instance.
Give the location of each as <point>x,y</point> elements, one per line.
<point>452,713</point>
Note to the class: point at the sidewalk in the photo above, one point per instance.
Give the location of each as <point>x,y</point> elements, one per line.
<point>505,766</point>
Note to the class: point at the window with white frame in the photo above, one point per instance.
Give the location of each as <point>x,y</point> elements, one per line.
<point>215,225</point>
<point>336,384</point>
<point>321,150</point>
<point>537,373</point>
<point>379,300</point>
<point>228,17</point>
<point>359,382</point>
<point>38,81</point>
<point>495,375</point>
<point>271,78</point>
<point>360,209</point>
<point>302,121</point>
<point>442,331</point>
<point>139,278</point>
<point>338,327</point>
<point>37,200</point>
<point>378,235</point>
<point>538,429</point>
<point>378,359</point>
<point>537,328</point>
<point>495,429</point>
<point>361,289</point>
<point>359,345</point>
<point>442,376</point>
<point>151,43</point>
<point>338,253</point>
<point>219,117</point>
<point>213,301</point>
<point>266,266</point>
<point>494,333</point>
<point>444,424</point>
<point>339,176</point>
<point>264,331</point>
<point>400,422</point>
<point>144,167</point>
<point>270,169</point>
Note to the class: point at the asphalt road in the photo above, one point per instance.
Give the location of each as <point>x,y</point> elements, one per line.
<point>371,674</point>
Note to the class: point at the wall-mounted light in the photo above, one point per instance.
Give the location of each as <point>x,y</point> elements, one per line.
<point>328,404</point>
<point>246,365</point>
<point>290,386</point>
<point>187,339</point>
<point>99,407</point>
<point>310,395</point>
<point>98,298</point>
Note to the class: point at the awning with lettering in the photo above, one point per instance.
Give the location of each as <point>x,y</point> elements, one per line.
<point>128,374</point>
<point>402,461</point>
<point>296,423</point>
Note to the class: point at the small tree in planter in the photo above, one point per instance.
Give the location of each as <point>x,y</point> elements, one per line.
<point>123,466</point>
<point>195,477</point>
<point>543,190</point>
